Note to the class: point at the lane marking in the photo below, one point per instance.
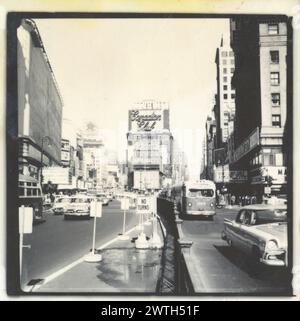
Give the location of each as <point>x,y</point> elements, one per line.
<point>73,264</point>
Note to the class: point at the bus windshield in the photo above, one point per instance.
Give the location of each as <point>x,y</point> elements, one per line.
<point>195,192</point>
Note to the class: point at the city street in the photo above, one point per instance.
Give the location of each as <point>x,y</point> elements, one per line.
<point>57,242</point>
<point>219,268</point>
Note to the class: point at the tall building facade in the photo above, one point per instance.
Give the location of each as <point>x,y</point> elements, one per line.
<point>225,98</point>
<point>93,156</point>
<point>39,104</point>
<point>149,151</point>
<point>260,80</point>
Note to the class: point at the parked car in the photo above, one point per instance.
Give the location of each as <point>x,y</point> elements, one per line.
<point>79,206</point>
<point>260,231</point>
<point>60,204</point>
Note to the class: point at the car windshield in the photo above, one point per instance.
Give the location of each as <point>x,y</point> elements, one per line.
<point>193,192</point>
<point>268,216</point>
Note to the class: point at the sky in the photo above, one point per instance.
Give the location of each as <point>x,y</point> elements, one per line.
<point>104,66</point>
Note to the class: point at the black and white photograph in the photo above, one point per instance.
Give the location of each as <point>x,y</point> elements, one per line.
<point>149,154</point>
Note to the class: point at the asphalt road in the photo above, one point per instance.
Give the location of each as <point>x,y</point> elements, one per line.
<point>221,269</point>
<point>58,242</point>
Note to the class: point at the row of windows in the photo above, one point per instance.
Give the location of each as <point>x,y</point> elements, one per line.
<point>29,191</point>
<point>227,54</point>
<point>224,61</point>
<point>225,96</point>
<point>225,70</point>
<point>268,160</point>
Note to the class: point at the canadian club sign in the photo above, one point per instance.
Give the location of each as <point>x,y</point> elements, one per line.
<point>146,120</point>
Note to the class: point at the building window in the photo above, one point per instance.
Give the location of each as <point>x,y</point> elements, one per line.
<point>273,28</point>
<point>224,53</point>
<point>275,78</point>
<point>275,99</point>
<point>225,96</point>
<point>224,62</point>
<point>279,159</point>
<point>268,160</point>
<point>225,70</point>
<point>225,87</point>
<point>225,79</point>
<point>230,53</point>
<point>232,61</point>
<point>232,70</point>
<point>276,121</point>
<point>232,96</point>
<point>274,56</point>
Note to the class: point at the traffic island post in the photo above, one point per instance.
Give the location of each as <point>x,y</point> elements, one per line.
<point>124,207</point>
<point>95,211</point>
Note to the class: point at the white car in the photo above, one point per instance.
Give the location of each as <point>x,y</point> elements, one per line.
<point>79,206</point>
<point>60,204</point>
<point>260,231</point>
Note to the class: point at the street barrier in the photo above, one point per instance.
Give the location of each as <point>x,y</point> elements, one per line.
<point>174,278</point>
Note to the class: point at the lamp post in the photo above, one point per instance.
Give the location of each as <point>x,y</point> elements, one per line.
<point>42,156</point>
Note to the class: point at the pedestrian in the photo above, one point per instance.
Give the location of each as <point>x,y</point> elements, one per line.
<point>52,198</point>
<point>232,199</point>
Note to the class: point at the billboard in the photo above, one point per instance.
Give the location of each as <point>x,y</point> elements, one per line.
<point>57,175</point>
<point>146,179</point>
<point>146,119</point>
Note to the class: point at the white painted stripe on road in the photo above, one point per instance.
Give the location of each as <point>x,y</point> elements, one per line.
<point>80,260</point>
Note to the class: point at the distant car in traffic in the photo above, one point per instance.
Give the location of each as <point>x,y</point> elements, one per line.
<point>60,204</point>
<point>103,198</point>
<point>260,231</point>
<point>79,206</point>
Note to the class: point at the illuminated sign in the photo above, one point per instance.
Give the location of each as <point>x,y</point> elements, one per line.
<point>248,144</point>
<point>146,119</point>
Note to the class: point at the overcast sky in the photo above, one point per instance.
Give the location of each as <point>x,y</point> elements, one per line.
<point>104,66</point>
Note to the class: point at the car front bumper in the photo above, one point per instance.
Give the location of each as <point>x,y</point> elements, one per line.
<point>77,213</point>
<point>204,213</point>
<point>274,258</point>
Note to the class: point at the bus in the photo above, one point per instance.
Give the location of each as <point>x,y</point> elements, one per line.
<point>30,195</point>
<point>195,198</point>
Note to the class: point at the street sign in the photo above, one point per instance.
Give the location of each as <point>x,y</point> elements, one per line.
<point>96,209</point>
<point>25,220</point>
<point>125,204</point>
<point>267,190</point>
<point>146,204</point>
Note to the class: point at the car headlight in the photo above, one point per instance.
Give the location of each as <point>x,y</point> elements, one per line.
<point>211,204</point>
<point>189,204</point>
<point>272,245</point>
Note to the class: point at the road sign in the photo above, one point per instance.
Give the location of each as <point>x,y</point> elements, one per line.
<point>25,220</point>
<point>146,204</point>
<point>125,204</point>
<point>96,209</point>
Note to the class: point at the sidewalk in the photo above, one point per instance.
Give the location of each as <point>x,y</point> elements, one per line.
<point>123,269</point>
